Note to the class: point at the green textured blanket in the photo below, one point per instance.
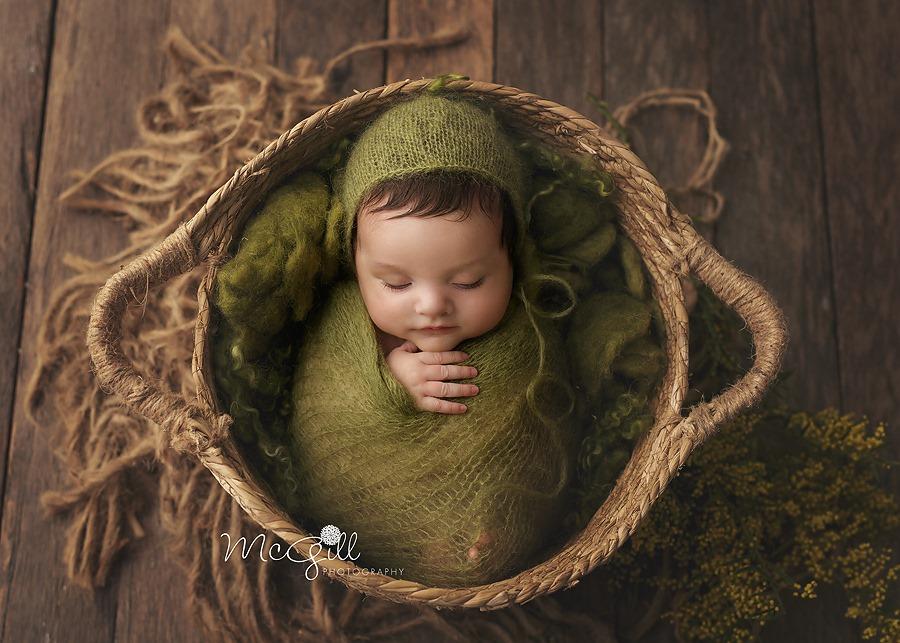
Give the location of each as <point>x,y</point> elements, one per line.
<point>420,488</point>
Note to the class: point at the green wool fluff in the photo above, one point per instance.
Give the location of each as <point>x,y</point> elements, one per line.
<point>420,488</point>
<point>632,267</point>
<point>562,215</point>
<point>258,293</point>
<point>641,359</point>
<point>590,250</point>
<point>603,324</point>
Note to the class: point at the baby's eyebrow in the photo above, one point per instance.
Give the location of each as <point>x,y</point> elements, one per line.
<point>379,264</point>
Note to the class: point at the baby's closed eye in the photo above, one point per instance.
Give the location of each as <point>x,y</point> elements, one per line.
<point>474,284</point>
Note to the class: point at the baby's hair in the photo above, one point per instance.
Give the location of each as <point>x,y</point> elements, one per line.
<point>438,193</point>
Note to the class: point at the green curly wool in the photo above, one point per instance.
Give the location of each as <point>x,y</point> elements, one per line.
<point>420,488</point>
<point>259,290</point>
<point>603,324</point>
<point>562,215</point>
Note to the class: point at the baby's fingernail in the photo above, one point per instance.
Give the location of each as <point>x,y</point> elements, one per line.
<point>473,371</point>
<point>474,389</point>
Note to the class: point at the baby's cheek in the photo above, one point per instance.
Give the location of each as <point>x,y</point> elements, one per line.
<point>387,315</point>
<point>495,307</point>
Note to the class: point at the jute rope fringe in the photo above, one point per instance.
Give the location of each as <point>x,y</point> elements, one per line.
<point>700,180</point>
<point>209,120</point>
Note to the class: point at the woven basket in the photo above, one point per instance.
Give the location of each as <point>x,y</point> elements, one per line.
<point>670,248</point>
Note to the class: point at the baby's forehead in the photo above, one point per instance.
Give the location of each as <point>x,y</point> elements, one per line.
<point>475,228</point>
<point>439,240</point>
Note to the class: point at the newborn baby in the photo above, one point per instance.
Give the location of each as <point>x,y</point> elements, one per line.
<point>433,192</point>
<point>431,280</point>
<point>433,277</point>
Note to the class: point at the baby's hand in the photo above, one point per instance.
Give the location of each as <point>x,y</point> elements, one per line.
<point>423,374</point>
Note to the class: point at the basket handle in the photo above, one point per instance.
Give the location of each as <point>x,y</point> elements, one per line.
<point>192,428</point>
<point>763,318</point>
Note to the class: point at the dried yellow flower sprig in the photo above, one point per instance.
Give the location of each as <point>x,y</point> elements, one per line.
<point>778,502</point>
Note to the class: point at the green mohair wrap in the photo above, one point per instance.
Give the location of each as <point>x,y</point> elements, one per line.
<point>420,488</point>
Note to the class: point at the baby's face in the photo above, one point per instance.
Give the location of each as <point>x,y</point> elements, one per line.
<point>415,272</point>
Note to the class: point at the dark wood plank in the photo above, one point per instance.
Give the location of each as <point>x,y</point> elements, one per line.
<point>151,582</point>
<point>105,59</point>
<point>858,52</point>
<point>650,45</point>
<point>27,29</point>
<point>774,225</point>
<point>322,29</point>
<point>473,58</point>
<point>553,49</point>
<point>229,26</point>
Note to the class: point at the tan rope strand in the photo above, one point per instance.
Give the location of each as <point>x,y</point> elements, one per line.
<point>190,428</point>
<point>716,148</point>
<point>764,319</point>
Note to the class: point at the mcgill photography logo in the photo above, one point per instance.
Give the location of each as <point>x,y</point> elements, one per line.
<point>330,536</point>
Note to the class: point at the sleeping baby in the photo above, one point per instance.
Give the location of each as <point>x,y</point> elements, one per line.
<point>434,186</point>
<point>429,408</point>
<point>432,279</point>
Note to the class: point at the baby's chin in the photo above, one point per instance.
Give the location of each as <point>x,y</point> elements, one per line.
<point>437,343</point>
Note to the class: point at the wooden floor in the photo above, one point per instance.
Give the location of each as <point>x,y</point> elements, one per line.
<point>804,92</point>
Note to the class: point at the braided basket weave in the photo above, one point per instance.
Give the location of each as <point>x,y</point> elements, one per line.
<point>669,246</point>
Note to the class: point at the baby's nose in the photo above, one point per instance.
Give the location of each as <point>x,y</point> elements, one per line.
<point>433,303</point>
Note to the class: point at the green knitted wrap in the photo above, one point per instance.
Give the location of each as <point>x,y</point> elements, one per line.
<point>419,488</point>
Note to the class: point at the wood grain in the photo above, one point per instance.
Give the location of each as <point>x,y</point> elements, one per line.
<point>858,54</point>
<point>105,59</point>
<point>553,49</point>
<point>473,58</point>
<point>24,49</point>
<point>322,29</point>
<point>774,225</point>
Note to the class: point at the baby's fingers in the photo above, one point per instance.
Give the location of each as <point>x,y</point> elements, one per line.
<point>441,406</point>
<point>437,372</point>
<point>449,389</point>
<point>444,357</point>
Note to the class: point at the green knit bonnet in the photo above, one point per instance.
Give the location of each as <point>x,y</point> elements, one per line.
<point>431,133</point>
